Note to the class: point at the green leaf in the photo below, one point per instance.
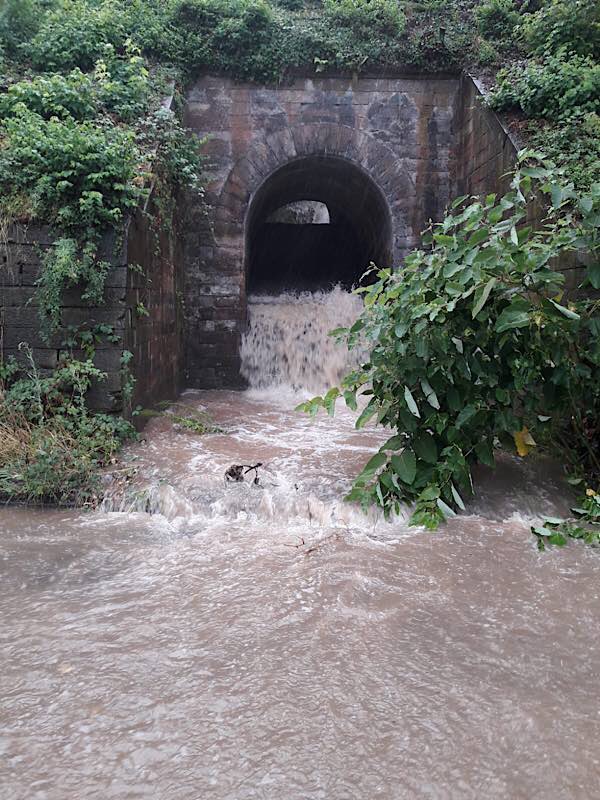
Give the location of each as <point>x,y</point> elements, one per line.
<point>410,402</point>
<point>430,395</point>
<point>442,239</point>
<point>429,494</point>
<point>366,415</point>
<point>480,235</point>
<point>558,539</point>
<point>425,447</point>
<point>545,532</point>
<point>457,498</point>
<point>465,415</point>
<point>445,509</point>
<point>485,452</point>
<point>401,329</point>
<point>556,193</point>
<point>566,312</point>
<point>350,400</point>
<point>593,273</point>
<point>405,466</point>
<point>329,401</point>
<point>511,318</point>
<point>394,443</point>
<point>484,296</point>
<point>534,172</point>
<point>371,467</point>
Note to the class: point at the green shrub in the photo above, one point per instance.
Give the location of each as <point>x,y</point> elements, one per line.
<point>366,17</point>
<point>75,175</point>
<point>19,20</point>
<point>555,88</point>
<point>497,19</point>
<point>122,80</point>
<point>487,54</point>
<point>179,158</point>
<point>82,178</point>
<point>53,95</point>
<point>291,5</point>
<point>574,144</point>
<point>51,446</point>
<point>226,35</point>
<point>471,347</point>
<point>573,26</point>
<point>75,34</point>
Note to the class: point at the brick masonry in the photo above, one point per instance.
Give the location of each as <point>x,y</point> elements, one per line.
<point>154,338</point>
<point>416,141</point>
<point>401,133</point>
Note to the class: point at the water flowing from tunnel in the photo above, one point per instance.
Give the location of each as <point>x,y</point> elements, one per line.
<point>206,638</point>
<point>288,340</point>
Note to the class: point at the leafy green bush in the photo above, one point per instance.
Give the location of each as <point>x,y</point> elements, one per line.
<point>52,95</point>
<point>19,20</point>
<point>51,446</point>
<point>574,144</point>
<point>497,19</point>
<point>74,174</point>
<point>179,158</point>
<point>75,34</point>
<point>572,26</point>
<point>471,347</point>
<point>555,88</point>
<point>585,525</point>
<point>122,81</point>
<point>366,17</point>
<point>228,35</point>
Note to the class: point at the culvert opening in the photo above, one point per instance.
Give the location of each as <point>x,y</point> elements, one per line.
<point>315,223</point>
<point>313,228</point>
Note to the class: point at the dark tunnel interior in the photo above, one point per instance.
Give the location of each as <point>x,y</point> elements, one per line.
<point>285,256</point>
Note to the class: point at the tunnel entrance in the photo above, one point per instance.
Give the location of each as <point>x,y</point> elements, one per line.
<point>314,223</point>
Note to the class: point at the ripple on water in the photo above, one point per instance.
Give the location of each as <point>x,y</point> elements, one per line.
<point>205,652</point>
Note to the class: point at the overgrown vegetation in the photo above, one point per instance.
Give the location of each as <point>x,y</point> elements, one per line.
<point>474,346</point>
<point>556,80</point>
<point>51,446</point>
<point>84,138</point>
<point>83,135</point>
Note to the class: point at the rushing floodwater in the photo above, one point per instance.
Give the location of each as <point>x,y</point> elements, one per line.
<point>271,642</point>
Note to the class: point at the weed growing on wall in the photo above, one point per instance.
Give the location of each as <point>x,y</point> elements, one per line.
<point>51,446</point>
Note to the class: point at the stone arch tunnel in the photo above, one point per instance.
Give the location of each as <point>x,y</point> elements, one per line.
<point>381,153</point>
<point>384,155</point>
<point>281,256</point>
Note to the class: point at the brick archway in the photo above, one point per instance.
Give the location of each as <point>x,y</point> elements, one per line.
<point>308,257</point>
<point>396,133</point>
<point>375,159</point>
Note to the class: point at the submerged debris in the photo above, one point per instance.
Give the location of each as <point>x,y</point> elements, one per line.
<point>237,472</point>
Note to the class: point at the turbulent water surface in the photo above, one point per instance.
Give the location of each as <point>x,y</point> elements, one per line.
<point>269,641</point>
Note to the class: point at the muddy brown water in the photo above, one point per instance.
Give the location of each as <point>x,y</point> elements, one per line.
<point>272,642</point>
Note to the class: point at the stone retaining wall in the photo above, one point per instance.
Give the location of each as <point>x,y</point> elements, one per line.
<point>415,141</point>
<point>153,335</point>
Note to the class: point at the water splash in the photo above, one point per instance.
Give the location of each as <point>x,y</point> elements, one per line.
<point>288,342</point>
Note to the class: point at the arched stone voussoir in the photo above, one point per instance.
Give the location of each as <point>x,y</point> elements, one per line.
<point>282,145</point>
<point>245,176</point>
<point>265,156</point>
